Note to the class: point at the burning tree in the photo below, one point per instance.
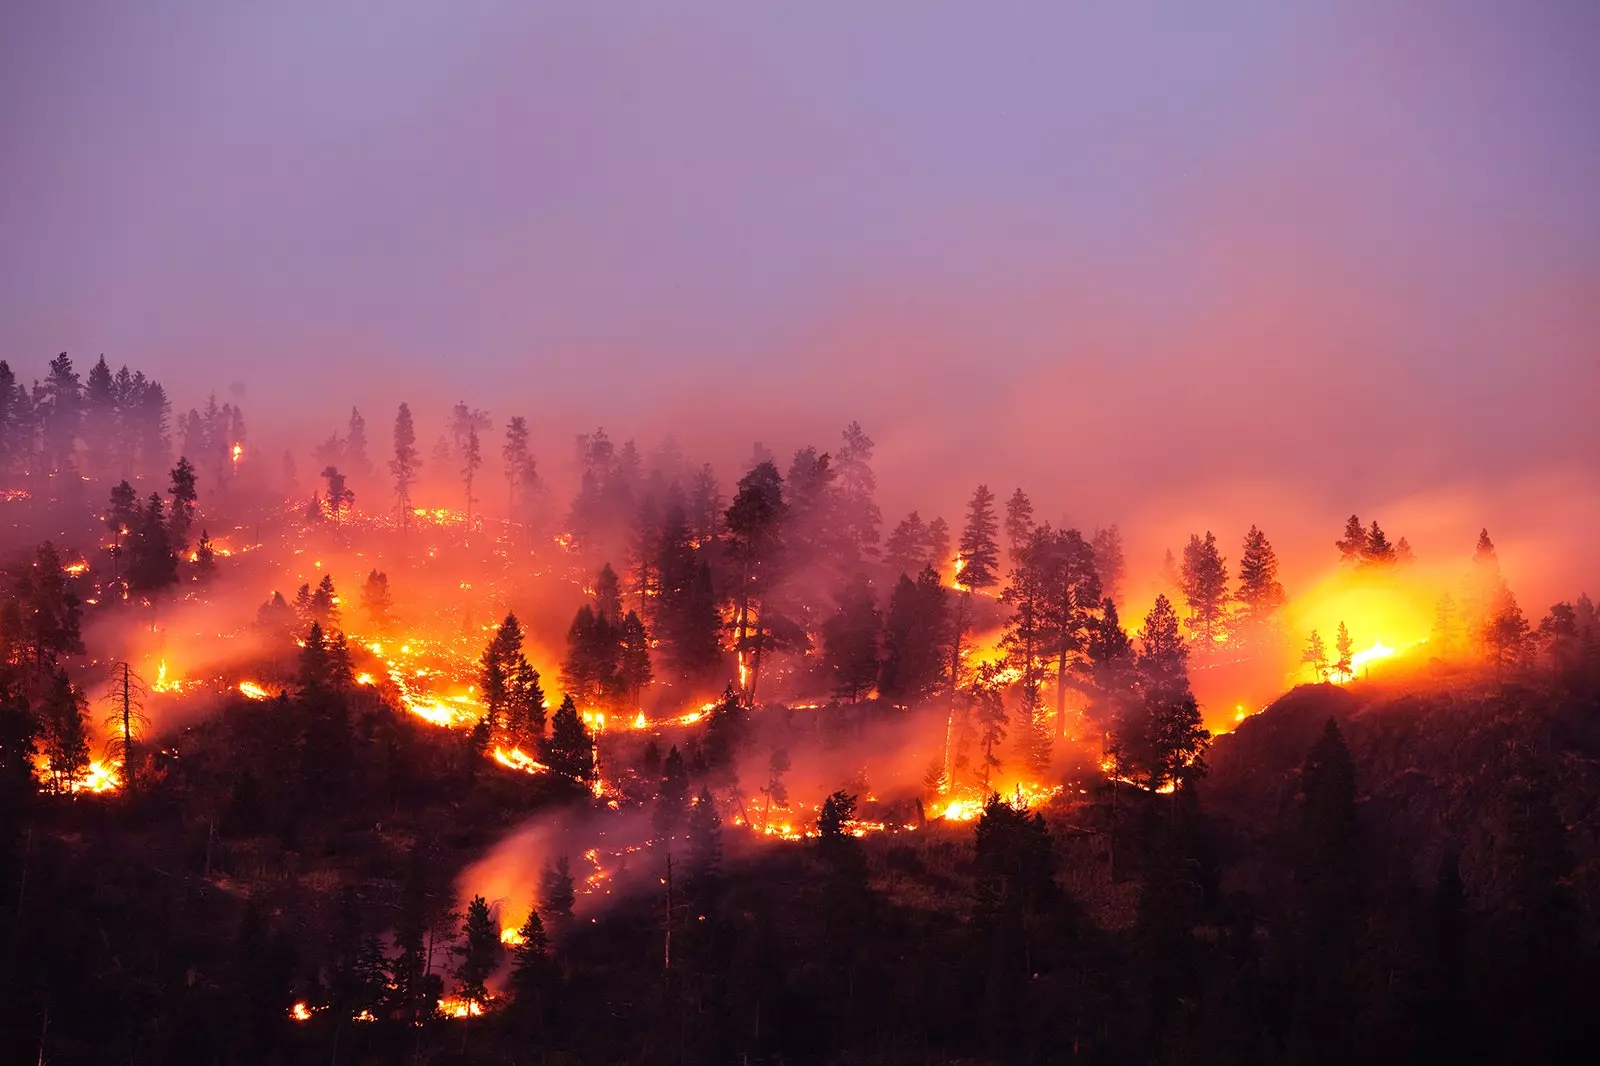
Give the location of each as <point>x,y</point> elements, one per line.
<point>754,522</point>
<point>127,722</point>
<point>978,564</point>
<point>66,732</point>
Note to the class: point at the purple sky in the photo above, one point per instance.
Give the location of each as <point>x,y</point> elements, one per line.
<point>1118,253</point>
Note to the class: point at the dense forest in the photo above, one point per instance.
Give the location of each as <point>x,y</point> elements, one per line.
<point>451,755</point>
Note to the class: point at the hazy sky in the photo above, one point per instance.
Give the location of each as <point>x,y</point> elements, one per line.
<point>1352,248</point>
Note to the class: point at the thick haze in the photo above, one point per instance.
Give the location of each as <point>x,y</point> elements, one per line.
<point>1183,265</point>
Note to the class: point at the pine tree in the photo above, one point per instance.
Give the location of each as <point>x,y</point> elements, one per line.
<point>672,797</point>
<point>1109,560</point>
<point>355,447</point>
<point>1163,662</point>
<point>939,544</point>
<point>1019,523</point>
<point>859,517</point>
<point>1378,552</point>
<point>569,749</point>
<point>725,731</point>
<point>205,559</point>
<point>1354,542</point>
<point>515,456</point>
<point>906,550</point>
<point>1403,555</point>
<point>325,603</point>
<point>705,506</point>
<point>405,464</point>
<point>152,563</point>
<point>774,790</point>
<point>180,519</point>
<point>850,640</point>
<point>127,723</point>
<point>687,624</point>
<point>556,895</point>
<point>705,845</point>
<point>590,671</point>
<point>66,734</point>
<point>1316,656</point>
<point>479,955</point>
<point>532,970</point>
<point>1505,635</point>
<point>979,556</point>
<point>754,523</point>
<point>1072,593</point>
<point>633,659</point>
<point>1260,593</point>
<point>99,422</point>
<point>1343,666</point>
<point>914,640</point>
<point>377,602</point>
<point>471,462</point>
<point>340,497</point>
<point>989,713</point>
<point>1204,579</point>
<point>49,611</point>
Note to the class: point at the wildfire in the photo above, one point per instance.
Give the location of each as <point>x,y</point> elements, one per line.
<point>300,1012</point>
<point>512,938</point>
<point>79,567</point>
<point>251,690</point>
<point>517,759</point>
<point>456,1007</point>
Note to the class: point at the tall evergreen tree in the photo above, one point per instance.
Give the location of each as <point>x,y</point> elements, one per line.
<point>859,517</point>
<point>1344,665</point>
<point>1163,662</point>
<point>406,463</point>
<point>1353,543</point>
<point>516,458</point>
<point>1378,552</point>
<point>980,552</point>
<point>1260,594</point>
<point>479,953</point>
<point>180,518</point>
<point>633,659</point>
<point>569,749</point>
<point>1205,589</point>
<point>1109,560</point>
<point>850,640</point>
<point>556,895</point>
<point>471,462</point>
<point>355,448</point>
<point>754,523</point>
<point>1019,523</point>
<point>914,640</point>
<point>906,550</point>
<point>66,733</point>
